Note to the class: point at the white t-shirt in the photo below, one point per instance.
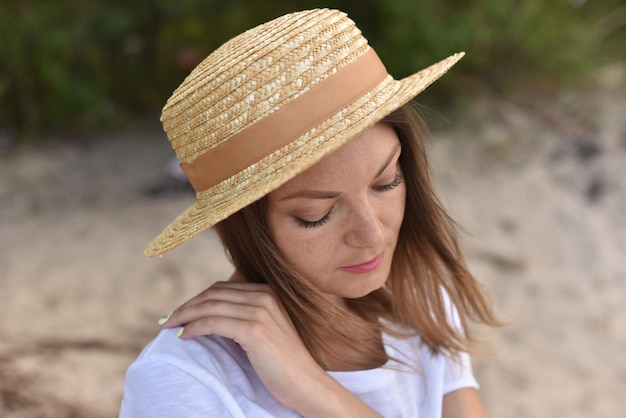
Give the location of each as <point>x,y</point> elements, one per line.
<point>211,376</point>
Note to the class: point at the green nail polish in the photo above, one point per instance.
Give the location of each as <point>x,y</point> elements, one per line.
<point>180,331</point>
<point>164,318</point>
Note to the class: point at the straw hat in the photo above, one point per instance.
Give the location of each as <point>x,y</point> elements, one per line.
<point>269,104</point>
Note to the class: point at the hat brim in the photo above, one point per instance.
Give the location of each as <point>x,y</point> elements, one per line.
<point>242,189</point>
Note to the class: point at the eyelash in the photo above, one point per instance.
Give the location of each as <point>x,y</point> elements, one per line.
<point>384,188</point>
<point>307,224</point>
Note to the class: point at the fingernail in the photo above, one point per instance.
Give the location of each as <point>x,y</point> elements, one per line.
<point>180,331</point>
<point>164,318</point>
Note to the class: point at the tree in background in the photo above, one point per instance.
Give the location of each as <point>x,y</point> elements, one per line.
<point>72,65</point>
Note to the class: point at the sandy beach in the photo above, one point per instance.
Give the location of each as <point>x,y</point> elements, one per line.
<point>537,186</point>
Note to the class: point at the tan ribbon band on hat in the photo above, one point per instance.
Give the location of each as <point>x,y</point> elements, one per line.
<point>287,123</point>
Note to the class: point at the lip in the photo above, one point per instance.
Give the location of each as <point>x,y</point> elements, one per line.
<point>367,266</point>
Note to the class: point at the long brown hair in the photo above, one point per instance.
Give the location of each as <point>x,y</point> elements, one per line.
<point>427,266</point>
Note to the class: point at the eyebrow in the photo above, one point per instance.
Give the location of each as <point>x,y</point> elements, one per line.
<point>321,194</point>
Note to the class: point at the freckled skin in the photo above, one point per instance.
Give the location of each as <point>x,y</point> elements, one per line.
<point>344,211</point>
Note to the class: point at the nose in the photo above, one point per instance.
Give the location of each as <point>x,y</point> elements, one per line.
<point>365,228</point>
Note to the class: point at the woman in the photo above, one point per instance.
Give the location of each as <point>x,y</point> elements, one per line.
<point>350,296</point>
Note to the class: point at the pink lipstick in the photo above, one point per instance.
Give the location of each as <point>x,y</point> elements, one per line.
<point>367,266</point>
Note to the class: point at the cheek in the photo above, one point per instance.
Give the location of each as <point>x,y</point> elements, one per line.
<point>306,255</point>
<point>402,206</point>
<point>396,210</point>
<point>301,248</point>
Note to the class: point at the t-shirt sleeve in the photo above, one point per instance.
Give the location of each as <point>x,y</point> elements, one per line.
<point>458,372</point>
<point>158,389</point>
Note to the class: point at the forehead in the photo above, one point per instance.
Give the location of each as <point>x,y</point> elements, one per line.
<point>364,155</point>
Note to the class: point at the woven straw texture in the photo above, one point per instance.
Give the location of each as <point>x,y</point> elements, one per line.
<point>250,77</point>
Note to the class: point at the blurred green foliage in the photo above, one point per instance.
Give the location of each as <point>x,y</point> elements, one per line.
<point>75,65</point>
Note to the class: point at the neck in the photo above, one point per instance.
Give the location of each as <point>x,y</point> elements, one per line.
<point>353,357</point>
<point>338,354</point>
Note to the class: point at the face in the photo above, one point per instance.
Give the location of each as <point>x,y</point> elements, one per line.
<point>338,222</point>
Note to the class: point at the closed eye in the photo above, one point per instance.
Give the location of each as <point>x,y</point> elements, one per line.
<point>312,224</point>
<point>397,180</point>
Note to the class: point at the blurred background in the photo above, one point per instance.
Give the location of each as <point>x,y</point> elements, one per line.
<point>528,149</point>
<point>70,66</point>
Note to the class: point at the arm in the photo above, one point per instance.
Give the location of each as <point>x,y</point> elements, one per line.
<point>333,400</point>
<point>463,403</point>
<point>249,314</point>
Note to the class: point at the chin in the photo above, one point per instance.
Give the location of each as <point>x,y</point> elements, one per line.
<point>365,290</point>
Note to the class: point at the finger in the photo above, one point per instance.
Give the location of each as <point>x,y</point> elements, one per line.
<point>248,334</point>
<point>225,301</point>
<point>224,326</point>
<point>209,292</point>
<point>214,308</point>
<point>242,286</point>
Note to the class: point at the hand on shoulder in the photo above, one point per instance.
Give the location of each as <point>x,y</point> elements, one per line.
<point>250,315</point>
